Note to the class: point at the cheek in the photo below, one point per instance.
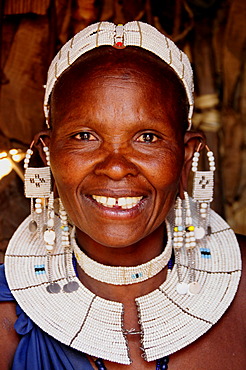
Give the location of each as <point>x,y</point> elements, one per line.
<point>164,172</point>
<point>66,169</point>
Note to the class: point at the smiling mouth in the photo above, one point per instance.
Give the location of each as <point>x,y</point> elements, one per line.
<point>122,202</point>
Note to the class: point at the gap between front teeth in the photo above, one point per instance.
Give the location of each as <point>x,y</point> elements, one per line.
<point>124,202</point>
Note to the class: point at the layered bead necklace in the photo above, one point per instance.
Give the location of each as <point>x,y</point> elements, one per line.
<point>124,276</point>
<point>86,322</point>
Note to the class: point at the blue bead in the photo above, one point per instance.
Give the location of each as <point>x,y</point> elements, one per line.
<point>100,364</point>
<point>162,363</point>
<point>164,367</point>
<point>165,360</point>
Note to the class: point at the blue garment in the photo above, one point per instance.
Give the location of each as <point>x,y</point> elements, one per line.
<point>37,350</point>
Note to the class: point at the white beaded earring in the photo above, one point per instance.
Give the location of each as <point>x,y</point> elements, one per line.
<point>184,237</point>
<point>178,240</point>
<point>71,285</point>
<point>37,184</point>
<point>38,188</point>
<point>203,186</point>
<point>190,245</point>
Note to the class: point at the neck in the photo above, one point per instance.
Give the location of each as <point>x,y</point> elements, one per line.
<point>133,255</point>
<point>126,255</point>
<point>122,293</point>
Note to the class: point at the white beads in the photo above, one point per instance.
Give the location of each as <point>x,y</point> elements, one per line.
<point>38,206</point>
<point>29,153</point>
<point>182,288</point>
<point>203,182</point>
<point>178,230</point>
<point>131,34</point>
<point>196,157</point>
<point>49,234</point>
<point>50,223</point>
<point>211,160</point>
<point>119,34</point>
<point>199,233</point>
<point>190,241</point>
<point>64,226</point>
<point>122,275</point>
<point>49,247</point>
<point>169,321</point>
<point>195,161</point>
<point>47,154</point>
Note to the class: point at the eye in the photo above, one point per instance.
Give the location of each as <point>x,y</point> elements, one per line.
<point>148,137</point>
<point>85,136</point>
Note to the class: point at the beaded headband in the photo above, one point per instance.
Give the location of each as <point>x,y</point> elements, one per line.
<point>131,34</point>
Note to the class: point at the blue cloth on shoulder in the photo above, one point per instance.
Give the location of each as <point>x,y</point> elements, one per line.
<point>37,350</point>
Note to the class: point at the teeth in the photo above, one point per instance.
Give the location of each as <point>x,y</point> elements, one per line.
<point>124,202</point>
<point>121,202</point>
<point>102,200</point>
<point>111,202</point>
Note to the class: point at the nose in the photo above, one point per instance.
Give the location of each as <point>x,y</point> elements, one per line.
<point>116,167</point>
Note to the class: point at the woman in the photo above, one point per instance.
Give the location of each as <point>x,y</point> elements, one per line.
<point>109,292</point>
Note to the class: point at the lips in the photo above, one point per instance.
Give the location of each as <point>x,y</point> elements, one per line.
<point>120,202</point>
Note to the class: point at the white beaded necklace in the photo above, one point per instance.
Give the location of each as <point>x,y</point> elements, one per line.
<point>122,275</point>
<point>93,325</point>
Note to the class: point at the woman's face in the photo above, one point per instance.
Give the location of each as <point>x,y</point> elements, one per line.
<point>116,151</point>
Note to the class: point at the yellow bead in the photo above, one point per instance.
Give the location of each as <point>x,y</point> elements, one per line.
<point>77,256</point>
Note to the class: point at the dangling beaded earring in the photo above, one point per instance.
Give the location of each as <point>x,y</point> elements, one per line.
<point>71,285</point>
<point>38,188</point>
<point>50,239</point>
<point>190,245</point>
<point>37,183</point>
<point>178,240</point>
<point>203,186</point>
<point>184,236</point>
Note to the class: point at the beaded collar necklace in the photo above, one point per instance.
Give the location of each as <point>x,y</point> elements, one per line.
<point>169,321</point>
<point>121,275</point>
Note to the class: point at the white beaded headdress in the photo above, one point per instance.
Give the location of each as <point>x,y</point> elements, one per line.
<point>131,34</point>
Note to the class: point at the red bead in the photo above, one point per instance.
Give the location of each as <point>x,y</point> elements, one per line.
<point>119,45</point>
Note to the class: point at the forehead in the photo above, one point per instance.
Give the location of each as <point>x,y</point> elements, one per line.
<point>139,61</point>
<point>121,67</point>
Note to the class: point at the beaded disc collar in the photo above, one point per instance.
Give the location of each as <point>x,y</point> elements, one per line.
<point>80,319</point>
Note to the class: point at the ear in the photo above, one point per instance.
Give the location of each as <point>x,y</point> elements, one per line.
<point>192,140</point>
<point>42,136</point>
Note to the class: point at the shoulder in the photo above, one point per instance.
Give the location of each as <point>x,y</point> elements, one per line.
<point>241,241</point>
<point>242,244</point>
<point>8,337</point>
<point>239,303</point>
